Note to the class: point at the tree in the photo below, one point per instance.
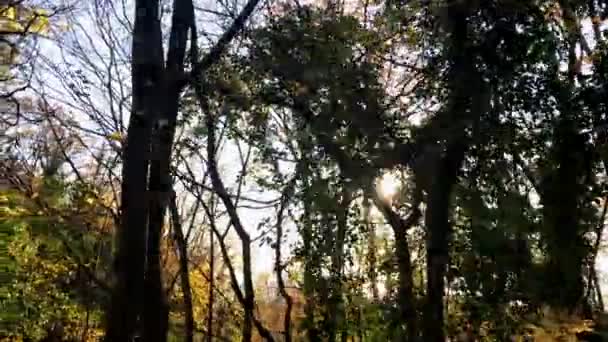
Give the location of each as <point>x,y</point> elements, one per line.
<point>150,78</point>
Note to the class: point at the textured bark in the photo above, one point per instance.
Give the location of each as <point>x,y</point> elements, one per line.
<point>127,299</point>
<point>156,310</point>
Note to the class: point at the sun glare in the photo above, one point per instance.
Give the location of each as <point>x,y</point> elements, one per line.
<point>388,186</point>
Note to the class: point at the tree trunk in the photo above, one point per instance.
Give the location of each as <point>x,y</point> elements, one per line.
<point>156,313</point>
<point>438,231</point>
<point>156,309</point>
<point>564,188</point>
<point>469,99</point>
<point>127,297</point>
<point>407,301</point>
<point>155,89</point>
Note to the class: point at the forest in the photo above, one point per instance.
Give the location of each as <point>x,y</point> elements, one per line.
<point>291,170</point>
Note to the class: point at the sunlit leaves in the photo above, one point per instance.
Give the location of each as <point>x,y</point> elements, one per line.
<point>116,136</point>
<point>49,254</point>
<point>19,23</point>
<point>16,19</point>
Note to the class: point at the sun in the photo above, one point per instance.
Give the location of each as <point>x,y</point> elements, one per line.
<point>388,186</point>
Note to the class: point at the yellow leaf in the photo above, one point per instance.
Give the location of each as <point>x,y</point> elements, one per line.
<point>17,20</point>
<point>11,26</point>
<point>116,136</point>
<point>39,25</point>
<point>10,13</point>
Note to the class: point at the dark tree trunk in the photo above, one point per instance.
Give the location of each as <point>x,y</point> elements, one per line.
<point>156,313</point>
<point>593,281</point>
<point>156,91</point>
<point>407,300</point>
<point>127,297</point>
<point>156,310</point>
<point>438,232</point>
<point>468,100</point>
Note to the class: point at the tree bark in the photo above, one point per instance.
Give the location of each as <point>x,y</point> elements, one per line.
<point>437,244</point>
<point>469,99</point>
<point>156,88</point>
<point>599,232</point>
<point>127,298</point>
<point>156,311</point>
